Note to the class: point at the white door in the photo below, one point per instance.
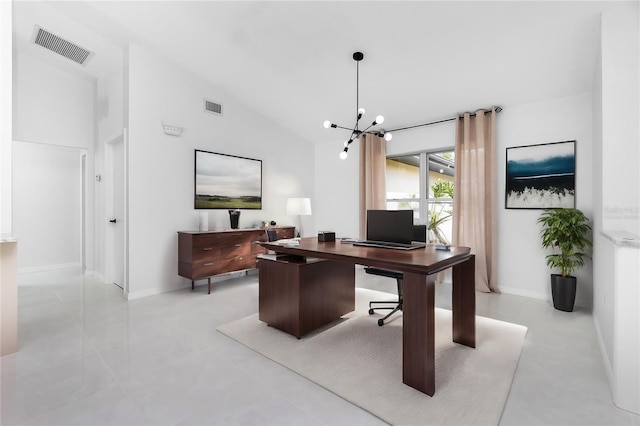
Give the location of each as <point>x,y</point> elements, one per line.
<point>115,197</point>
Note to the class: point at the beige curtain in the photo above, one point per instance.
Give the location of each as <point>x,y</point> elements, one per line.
<point>373,193</point>
<point>474,213</point>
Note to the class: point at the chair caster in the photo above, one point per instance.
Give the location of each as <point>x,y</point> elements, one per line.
<point>380,322</point>
<point>370,311</point>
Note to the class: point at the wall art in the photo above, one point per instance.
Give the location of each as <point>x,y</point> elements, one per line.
<point>541,176</point>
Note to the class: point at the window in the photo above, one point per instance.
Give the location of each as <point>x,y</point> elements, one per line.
<point>423,182</point>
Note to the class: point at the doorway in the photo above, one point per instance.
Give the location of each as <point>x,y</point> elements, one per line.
<point>48,205</point>
<point>116,220</point>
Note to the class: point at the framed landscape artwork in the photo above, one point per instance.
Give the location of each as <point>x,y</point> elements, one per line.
<point>225,181</point>
<point>541,176</point>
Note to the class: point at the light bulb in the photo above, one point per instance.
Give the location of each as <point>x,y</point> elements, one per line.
<point>343,155</point>
<point>326,124</point>
<point>379,119</point>
<point>361,111</point>
<point>388,136</point>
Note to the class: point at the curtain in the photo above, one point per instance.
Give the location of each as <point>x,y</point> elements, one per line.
<point>373,193</point>
<point>474,213</point>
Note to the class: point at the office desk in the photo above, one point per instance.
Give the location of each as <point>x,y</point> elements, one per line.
<point>419,267</point>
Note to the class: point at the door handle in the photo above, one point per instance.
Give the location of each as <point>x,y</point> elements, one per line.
<point>114,220</point>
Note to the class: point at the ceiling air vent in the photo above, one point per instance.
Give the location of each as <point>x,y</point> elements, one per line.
<point>61,46</point>
<point>212,107</point>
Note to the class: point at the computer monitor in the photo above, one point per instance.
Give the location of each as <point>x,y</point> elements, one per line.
<point>395,226</point>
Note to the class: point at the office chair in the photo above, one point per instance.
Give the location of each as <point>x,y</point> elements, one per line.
<point>272,235</point>
<point>419,234</point>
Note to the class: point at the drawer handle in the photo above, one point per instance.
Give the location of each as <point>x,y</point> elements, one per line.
<point>239,258</point>
<point>208,264</point>
<point>238,245</point>
<point>207,248</point>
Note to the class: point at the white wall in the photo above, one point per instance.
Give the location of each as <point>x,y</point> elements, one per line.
<point>6,95</point>
<point>615,165</point>
<point>550,121</point>
<point>620,112</point>
<point>53,107</point>
<point>161,166</point>
<point>521,260</point>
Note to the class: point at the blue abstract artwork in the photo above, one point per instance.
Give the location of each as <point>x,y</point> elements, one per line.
<point>541,176</point>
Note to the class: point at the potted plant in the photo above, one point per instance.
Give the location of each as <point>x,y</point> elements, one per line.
<point>564,231</point>
<point>439,213</point>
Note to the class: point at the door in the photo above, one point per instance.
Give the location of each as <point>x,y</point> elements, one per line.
<point>116,218</point>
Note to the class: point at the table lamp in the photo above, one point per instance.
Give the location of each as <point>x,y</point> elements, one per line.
<point>299,207</point>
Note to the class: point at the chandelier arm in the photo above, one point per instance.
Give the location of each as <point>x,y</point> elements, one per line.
<point>370,126</point>
<point>345,128</point>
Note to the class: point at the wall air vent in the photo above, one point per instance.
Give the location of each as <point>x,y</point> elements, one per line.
<point>212,107</point>
<point>61,46</point>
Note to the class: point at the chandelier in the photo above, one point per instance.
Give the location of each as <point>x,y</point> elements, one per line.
<point>355,131</point>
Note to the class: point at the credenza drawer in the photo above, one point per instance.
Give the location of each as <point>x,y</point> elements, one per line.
<point>223,266</point>
<point>209,253</point>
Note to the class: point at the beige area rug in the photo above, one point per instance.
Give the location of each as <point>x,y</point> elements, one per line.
<point>362,363</point>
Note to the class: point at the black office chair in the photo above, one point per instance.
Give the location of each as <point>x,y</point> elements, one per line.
<point>272,235</point>
<point>419,234</point>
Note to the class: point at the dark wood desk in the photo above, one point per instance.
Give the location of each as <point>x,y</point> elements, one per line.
<point>419,267</point>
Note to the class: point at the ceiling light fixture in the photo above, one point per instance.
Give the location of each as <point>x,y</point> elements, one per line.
<point>356,132</point>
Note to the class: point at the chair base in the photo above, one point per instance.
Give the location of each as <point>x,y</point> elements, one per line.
<point>397,304</point>
<point>394,309</point>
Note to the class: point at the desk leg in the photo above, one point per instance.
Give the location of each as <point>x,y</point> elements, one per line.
<point>463,302</point>
<point>418,355</point>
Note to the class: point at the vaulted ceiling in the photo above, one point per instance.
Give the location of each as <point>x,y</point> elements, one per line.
<point>292,60</point>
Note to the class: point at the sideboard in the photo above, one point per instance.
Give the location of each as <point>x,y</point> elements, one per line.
<point>203,254</point>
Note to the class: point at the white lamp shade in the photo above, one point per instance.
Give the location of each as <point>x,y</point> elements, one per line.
<point>299,206</point>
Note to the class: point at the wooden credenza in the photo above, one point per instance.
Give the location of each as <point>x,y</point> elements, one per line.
<point>208,253</point>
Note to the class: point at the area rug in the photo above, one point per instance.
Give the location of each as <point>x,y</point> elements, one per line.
<point>362,363</point>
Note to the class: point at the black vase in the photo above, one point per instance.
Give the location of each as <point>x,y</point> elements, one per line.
<point>563,291</point>
<point>234,216</point>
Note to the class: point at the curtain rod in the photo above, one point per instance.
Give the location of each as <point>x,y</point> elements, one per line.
<point>498,109</point>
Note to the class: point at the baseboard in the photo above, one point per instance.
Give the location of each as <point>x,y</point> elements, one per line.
<point>145,293</point>
<point>49,268</point>
<point>603,351</point>
<point>187,284</point>
<point>525,293</point>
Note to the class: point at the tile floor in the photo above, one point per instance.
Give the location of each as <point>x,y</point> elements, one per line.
<point>89,357</point>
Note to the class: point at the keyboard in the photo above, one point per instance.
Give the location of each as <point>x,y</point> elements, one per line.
<point>390,245</point>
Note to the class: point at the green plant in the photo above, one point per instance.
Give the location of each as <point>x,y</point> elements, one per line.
<point>438,213</point>
<point>565,230</point>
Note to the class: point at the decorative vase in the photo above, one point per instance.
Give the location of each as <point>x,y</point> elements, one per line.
<point>563,291</point>
<point>234,216</point>
<point>203,224</point>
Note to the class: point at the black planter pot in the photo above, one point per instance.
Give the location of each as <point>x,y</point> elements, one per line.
<point>563,290</point>
<point>234,216</point>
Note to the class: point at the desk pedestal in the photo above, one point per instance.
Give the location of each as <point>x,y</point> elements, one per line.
<point>299,296</point>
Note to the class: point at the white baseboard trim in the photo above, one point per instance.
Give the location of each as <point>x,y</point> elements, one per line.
<point>49,268</point>
<point>525,293</point>
<point>187,284</point>
<point>145,293</point>
<point>603,351</point>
